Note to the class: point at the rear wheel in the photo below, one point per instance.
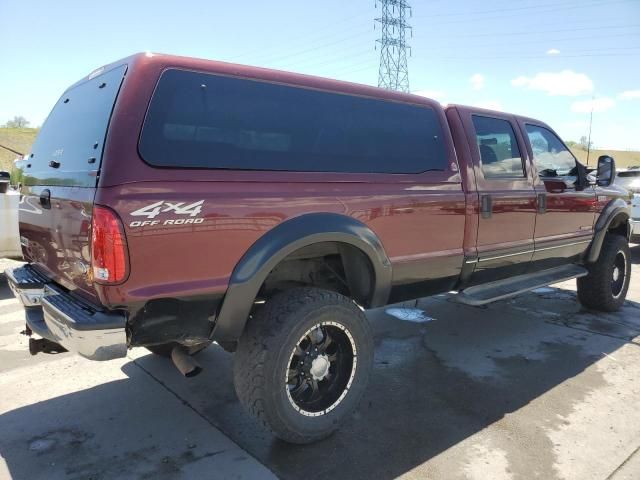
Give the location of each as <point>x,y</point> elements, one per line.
<point>303,363</point>
<point>605,287</point>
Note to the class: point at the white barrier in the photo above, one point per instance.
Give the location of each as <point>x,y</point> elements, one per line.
<point>9,233</point>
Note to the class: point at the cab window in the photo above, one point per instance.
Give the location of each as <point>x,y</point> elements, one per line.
<point>499,152</point>
<point>550,156</point>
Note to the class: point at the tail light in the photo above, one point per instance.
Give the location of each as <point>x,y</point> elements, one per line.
<point>109,255</point>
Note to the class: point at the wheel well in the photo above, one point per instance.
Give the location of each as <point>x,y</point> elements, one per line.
<point>619,225</point>
<point>334,266</point>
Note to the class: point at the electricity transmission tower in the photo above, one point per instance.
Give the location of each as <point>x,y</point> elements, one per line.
<point>394,71</point>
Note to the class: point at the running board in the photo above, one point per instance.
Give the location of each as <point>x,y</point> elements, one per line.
<point>510,287</point>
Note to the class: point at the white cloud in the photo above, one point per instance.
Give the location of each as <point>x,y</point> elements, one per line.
<point>477,81</point>
<point>630,95</point>
<point>566,82</point>
<point>489,105</point>
<point>598,105</point>
<point>553,51</point>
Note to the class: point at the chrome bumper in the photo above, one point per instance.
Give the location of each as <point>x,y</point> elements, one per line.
<point>57,316</point>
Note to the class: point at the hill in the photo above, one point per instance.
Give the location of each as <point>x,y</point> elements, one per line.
<point>623,158</point>
<point>18,139</point>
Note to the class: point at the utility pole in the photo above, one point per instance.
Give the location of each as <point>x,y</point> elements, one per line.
<point>394,71</point>
<point>593,99</point>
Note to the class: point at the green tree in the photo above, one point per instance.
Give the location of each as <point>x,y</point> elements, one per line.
<point>17,122</point>
<point>585,144</point>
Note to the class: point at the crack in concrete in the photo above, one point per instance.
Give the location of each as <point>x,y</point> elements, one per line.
<point>621,466</point>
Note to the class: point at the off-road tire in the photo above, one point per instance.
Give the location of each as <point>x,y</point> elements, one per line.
<point>264,356</point>
<point>596,290</point>
<point>164,350</point>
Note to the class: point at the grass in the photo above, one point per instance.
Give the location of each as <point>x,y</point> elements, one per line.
<point>623,158</point>
<point>21,139</point>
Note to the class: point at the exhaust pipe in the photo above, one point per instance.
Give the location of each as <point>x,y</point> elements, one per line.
<point>184,362</point>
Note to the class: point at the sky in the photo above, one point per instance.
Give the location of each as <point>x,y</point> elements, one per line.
<point>552,60</point>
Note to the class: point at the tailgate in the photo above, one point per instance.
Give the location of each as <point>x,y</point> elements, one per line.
<point>59,181</point>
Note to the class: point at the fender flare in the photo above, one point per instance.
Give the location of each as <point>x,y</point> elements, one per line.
<point>275,245</point>
<point>610,212</point>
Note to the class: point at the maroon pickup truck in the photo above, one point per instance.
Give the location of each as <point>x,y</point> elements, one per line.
<point>171,202</point>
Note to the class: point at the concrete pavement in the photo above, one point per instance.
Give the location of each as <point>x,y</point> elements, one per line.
<point>533,387</point>
<point>62,417</point>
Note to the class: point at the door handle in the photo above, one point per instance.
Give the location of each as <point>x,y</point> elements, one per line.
<point>486,206</point>
<point>542,202</point>
<point>45,199</point>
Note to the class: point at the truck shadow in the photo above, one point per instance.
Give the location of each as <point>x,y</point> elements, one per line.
<point>437,381</point>
<point>5,291</point>
<point>635,253</point>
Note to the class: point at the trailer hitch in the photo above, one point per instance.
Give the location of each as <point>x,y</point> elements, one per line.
<point>45,346</point>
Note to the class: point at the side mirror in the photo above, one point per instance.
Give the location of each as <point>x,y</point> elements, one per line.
<point>4,181</point>
<point>606,171</point>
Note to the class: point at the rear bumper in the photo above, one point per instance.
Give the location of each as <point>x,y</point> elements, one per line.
<point>26,284</point>
<point>56,315</point>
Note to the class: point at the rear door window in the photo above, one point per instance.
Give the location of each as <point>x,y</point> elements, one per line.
<point>68,149</point>
<point>499,152</point>
<point>198,120</point>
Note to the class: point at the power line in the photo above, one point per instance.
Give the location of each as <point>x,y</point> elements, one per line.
<point>329,57</point>
<point>330,53</point>
<point>318,62</point>
<point>341,75</point>
<point>320,46</point>
<point>538,8</point>
<point>535,32</point>
<point>393,73</point>
<point>555,40</point>
<point>314,48</point>
<point>356,67</point>
<point>517,56</point>
<point>314,37</point>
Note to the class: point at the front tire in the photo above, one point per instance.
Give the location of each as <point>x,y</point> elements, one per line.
<point>303,363</point>
<point>605,287</point>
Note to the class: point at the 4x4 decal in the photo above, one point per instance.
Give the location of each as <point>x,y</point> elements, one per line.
<point>177,208</point>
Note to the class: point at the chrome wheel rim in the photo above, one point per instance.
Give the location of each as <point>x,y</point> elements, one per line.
<point>619,274</point>
<point>321,369</point>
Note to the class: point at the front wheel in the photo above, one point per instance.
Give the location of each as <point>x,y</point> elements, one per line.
<point>605,287</point>
<point>303,363</point>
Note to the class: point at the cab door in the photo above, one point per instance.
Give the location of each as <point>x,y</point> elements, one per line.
<point>507,198</point>
<point>566,213</point>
